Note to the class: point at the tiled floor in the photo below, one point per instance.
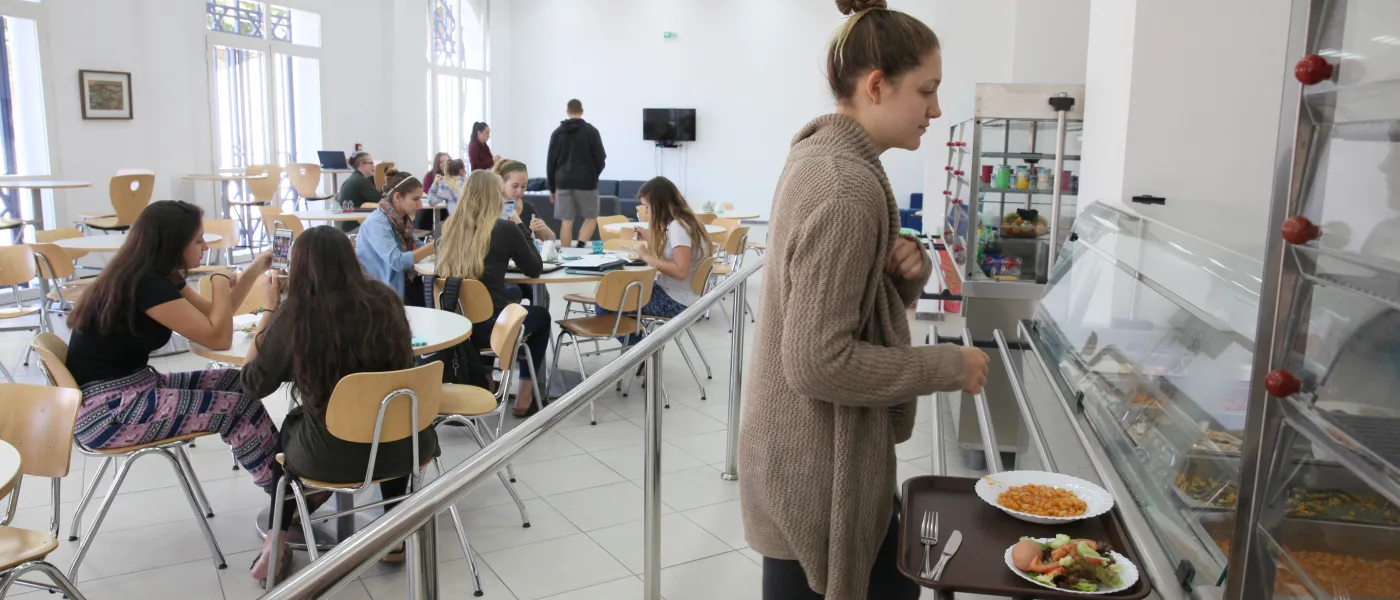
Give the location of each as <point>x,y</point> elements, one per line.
<point>581,484</point>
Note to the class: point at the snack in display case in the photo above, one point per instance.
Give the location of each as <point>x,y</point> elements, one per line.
<point>1024,223</point>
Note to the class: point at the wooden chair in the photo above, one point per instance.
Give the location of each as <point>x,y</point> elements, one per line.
<point>53,356</point>
<point>56,265</point>
<point>589,299</point>
<point>603,233</point>
<point>17,267</point>
<point>474,303</point>
<point>622,292</point>
<point>251,304</point>
<point>226,230</point>
<point>705,218</point>
<point>734,251</point>
<point>38,422</point>
<point>280,220</point>
<point>729,226</point>
<point>379,174</point>
<point>261,192</point>
<point>49,236</point>
<point>129,195</point>
<point>371,408</point>
<point>305,179</point>
<point>467,405</point>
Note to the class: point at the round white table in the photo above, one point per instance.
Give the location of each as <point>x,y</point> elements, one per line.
<point>437,329</point>
<point>9,468</point>
<point>326,215</point>
<point>429,267</point>
<point>111,243</point>
<point>618,227</point>
<point>36,189</point>
<point>733,215</point>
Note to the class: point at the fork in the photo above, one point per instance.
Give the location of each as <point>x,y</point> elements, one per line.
<point>928,535</point>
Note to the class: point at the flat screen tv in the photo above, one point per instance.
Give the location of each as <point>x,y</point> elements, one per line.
<point>668,125</point>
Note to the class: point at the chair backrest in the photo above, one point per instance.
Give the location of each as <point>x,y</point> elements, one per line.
<point>612,291</point>
<point>618,244</point>
<point>285,221</point>
<point>53,359</point>
<point>473,300</point>
<point>17,265</point>
<point>354,405</point>
<point>727,206</point>
<point>54,262</point>
<point>37,420</point>
<point>734,246</point>
<point>49,236</point>
<point>265,190</point>
<point>505,336</point>
<point>369,205</point>
<point>701,278</point>
<point>628,188</point>
<point>705,218</point>
<point>223,228</point>
<point>305,178</point>
<point>251,304</point>
<point>379,176</point>
<point>268,214</point>
<point>603,233</point>
<point>130,194</point>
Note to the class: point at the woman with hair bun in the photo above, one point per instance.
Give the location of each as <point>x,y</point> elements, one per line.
<point>386,246</point>
<point>835,379</point>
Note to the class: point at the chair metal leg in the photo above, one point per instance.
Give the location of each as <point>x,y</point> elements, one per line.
<point>519,503</point>
<point>56,491</point>
<point>6,372</point>
<point>184,461</point>
<point>306,531</point>
<point>275,528</point>
<point>462,537</point>
<point>61,582</point>
<point>583,372</point>
<point>101,513</point>
<point>76,529</point>
<point>219,561</point>
<point>708,374</point>
<point>693,372</point>
<point>235,458</point>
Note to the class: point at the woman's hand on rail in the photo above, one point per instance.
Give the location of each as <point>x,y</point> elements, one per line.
<point>974,369</point>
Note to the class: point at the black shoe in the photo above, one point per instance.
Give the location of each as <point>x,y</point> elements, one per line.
<point>534,408</point>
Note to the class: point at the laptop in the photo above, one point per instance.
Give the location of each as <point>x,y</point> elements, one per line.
<point>333,160</point>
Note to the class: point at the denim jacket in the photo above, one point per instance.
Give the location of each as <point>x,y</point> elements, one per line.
<point>377,247</point>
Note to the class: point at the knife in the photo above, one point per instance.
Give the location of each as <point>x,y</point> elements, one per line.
<point>949,549</point>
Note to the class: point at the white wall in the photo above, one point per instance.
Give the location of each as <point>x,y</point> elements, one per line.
<point>754,71</point>
<point>162,44</point>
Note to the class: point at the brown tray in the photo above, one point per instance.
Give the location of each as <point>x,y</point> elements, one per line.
<point>979,567</point>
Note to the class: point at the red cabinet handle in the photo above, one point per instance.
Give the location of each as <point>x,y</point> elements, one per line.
<point>948,168</point>
<point>947,193</point>
<point>951,144</point>
<point>957,172</point>
<point>1313,69</point>
<point>1299,230</point>
<point>1280,383</point>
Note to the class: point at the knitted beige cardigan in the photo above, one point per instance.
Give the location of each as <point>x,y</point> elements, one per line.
<point>834,380</point>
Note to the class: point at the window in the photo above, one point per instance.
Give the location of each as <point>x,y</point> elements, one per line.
<point>458,73</point>
<point>265,79</point>
<point>24,145</point>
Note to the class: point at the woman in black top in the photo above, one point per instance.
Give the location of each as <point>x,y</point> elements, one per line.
<point>478,244</point>
<point>130,311</point>
<point>335,322</point>
<point>513,178</point>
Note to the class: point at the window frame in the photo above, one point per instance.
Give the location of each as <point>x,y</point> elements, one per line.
<point>462,74</point>
<point>37,12</point>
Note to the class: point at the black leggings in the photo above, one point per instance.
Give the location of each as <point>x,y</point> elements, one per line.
<point>537,331</point>
<point>785,579</point>
<point>387,489</point>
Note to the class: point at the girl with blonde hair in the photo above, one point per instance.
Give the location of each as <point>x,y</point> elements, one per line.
<point>478,244</point>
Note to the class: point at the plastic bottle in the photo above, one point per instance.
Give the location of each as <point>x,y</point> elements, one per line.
<point>1042,180</point>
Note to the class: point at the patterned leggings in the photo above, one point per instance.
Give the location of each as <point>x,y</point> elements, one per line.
<point>148,406</point>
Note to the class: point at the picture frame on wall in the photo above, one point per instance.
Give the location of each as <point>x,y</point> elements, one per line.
<point>105,94</point>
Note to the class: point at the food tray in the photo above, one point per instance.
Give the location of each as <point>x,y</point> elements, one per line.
<point>979,566</point>
<point>1306,477</point>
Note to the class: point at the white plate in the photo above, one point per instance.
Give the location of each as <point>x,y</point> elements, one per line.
<point>1097,500</point>
<point>1129,573</point>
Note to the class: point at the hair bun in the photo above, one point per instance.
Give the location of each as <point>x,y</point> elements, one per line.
<point>850,7</point>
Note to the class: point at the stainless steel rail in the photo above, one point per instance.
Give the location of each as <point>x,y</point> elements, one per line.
<point>416,515</point>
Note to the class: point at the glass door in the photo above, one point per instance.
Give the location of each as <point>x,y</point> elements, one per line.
<point>242,121</point>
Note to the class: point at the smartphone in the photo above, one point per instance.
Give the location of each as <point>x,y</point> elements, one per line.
<point>508,209</point>
<point>281,249</point>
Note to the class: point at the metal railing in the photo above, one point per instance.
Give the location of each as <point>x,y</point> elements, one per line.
<point>416,517</point>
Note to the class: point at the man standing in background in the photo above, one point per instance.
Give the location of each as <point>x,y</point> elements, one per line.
<point>576,159</point>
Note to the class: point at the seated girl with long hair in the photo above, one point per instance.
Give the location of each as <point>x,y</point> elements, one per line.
<point>447,188</point>
<point>478,244</point>
<point>513,179</point>
<point>334,322</point>
<point>130,311</point>
<point>386,246</point>
<point>674,243</point>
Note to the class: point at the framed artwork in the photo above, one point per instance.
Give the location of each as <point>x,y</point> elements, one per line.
<point>105,94</point>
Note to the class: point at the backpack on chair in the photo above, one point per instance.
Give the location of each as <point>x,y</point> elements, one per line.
<point>461,363</point>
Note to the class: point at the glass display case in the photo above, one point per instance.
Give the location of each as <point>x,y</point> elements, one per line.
<point>1325,410</point>
<point>1147,333</point>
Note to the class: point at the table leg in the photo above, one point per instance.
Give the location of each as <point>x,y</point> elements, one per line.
<point>36,200</point>
<point>344,526</point>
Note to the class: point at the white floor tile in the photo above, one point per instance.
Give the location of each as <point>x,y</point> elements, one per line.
<point>602,506</point>
<point>188,581</point>
<point>239,585</point>
<point>680,421</point>
<point>917,446</point>
<point>122,552</point>
<point>693,488</point>
<point>681,541</point>
<point>628,588</point>
<point>708,447</point>
<point>730,576</point>
<point>629,461</point>
<point>604,436</point>
<point>752,555</point>
<point>454,577</point>
<point>555,566</point>
<point>567,474</point>
<point>498,527</point>
<point>724,521</point>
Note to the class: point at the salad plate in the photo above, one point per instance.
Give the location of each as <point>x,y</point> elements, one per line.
<point>1080,569</point>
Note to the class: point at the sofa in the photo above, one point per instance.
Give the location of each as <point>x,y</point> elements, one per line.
<point>607,206</point>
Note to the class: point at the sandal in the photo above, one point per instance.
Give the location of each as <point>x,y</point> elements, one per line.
<point>284,566</point>
<point>394,556</point>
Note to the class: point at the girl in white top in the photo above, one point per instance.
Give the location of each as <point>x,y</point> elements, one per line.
<point>674,243</point>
